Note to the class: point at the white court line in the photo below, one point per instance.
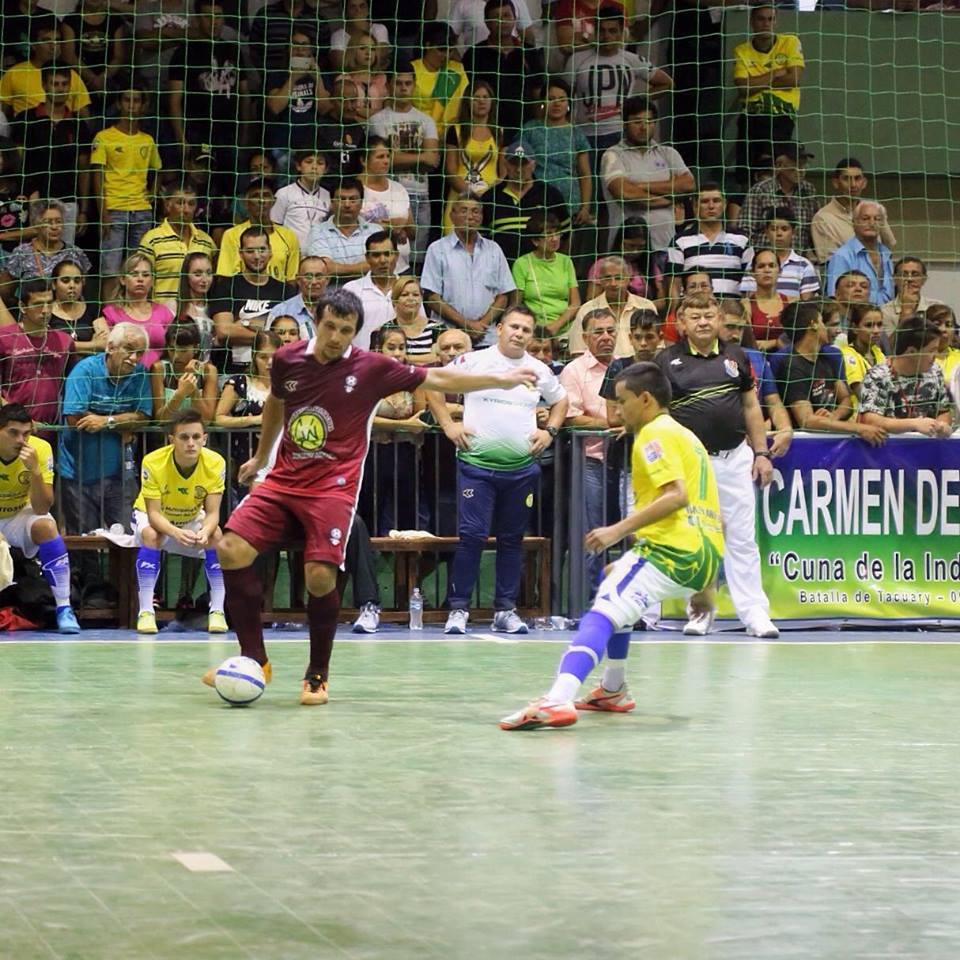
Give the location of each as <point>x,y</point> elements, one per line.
<point>202,862</point>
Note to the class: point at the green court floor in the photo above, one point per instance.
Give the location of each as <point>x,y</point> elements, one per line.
<point>765,801</point>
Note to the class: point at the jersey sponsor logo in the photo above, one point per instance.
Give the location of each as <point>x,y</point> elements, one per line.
<point>652,451</point>
<point>731,367</point>
<point>309,428</point>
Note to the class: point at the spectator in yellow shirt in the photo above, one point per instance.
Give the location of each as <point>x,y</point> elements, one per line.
<point>439,81</point>
<point>767,69</point>
<point>862,349</point>
<point>125,162</point>
<point>258,199</point>
<point>21,87</point>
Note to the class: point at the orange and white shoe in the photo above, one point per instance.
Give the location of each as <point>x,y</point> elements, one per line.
<point>607,701</point>
<point>540,713</point>
<point>208,677</point>
<point>314,692</point>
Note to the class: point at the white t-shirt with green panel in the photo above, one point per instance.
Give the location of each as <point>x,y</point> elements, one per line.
<point>503,420</point>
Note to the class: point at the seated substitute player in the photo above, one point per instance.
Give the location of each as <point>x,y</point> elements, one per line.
<point>323,394</point>
<point>677,553</point>
<point>177,512</point>
<point>26,495</point>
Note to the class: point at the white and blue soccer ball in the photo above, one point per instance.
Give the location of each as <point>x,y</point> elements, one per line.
<point>239,681</point>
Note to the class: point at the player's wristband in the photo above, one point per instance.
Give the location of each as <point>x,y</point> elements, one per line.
<point>762,453</point>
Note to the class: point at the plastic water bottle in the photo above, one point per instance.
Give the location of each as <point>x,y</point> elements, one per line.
<point>416,609</point>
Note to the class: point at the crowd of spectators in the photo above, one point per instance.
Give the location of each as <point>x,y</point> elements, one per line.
<point>180,183</point>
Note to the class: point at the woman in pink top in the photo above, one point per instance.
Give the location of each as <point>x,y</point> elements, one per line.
<point>133,305</point>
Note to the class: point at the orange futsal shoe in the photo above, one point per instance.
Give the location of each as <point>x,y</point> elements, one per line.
<point>314,692</point>
<point>208,677</point>
<point>607,701</point>
<point>538,714</point>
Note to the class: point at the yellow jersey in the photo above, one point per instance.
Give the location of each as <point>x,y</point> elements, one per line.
<point>686,545</point>
<point>748,61</point>
<point>167,252</point>
<point>949,362</point>
<point>284,252</point>
<point>126,159</point>
<point>21,88</point>
<point>438,93</point>
<point>15,478</point>
<point>181,497</point>
<point>856,365</point>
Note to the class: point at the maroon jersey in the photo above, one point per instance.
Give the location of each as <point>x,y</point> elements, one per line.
<point>31,370</point>
<point>328,411</point>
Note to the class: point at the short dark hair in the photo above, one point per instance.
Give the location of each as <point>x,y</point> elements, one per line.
<point>14,413</point>
<point>910,259</point>
<point>183,184</point>
<point>381,236</point>
<point>51,70</point>
<point>180,334</point>
<point>798,316</point>
<point>342,304</point>
<point>29,287</point>
<point>188,414</point>
<point>850,273</point>
<point>436,33</point>
<point>492,5</point>
<point>844,162</point>
<point>644,320</point>
<point>43,23</point>
<point>300,155</point>
<point>915,332</point>
<point>608,11</point>
<point>595,314</point>
<point>647,377</point>
<point>347,183</point>
<point>780,213</point>
<point>709,186</point>
<point>254,232</point>
<point>520,308</point>
<point>634,105</point>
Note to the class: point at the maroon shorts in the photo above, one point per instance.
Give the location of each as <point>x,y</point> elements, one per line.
<point>269,518</point>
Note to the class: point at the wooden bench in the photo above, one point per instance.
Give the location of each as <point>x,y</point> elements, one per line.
<point>120,572</point>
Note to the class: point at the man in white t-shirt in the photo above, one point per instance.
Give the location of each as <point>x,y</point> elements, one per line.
<point>415,148</point>
<point>641,177</point>
<point>498,443</point>
<point>602,78</point>
<point>375,287</point>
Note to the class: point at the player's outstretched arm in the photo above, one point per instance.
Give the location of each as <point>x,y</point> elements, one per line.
<point>670,497</point>
<point>449,380</point>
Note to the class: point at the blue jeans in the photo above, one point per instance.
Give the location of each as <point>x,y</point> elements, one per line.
<point>497,502</point>
<point>127,228</point>
<point>601,493</point>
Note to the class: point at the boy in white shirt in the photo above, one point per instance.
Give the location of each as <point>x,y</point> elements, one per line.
<point>303,203</point>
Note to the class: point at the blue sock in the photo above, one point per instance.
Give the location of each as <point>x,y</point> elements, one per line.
<point>585,652</point>
<point>211,564</point>
<point>614,673</point>
<point>55,566</point>
<point>148,569</point>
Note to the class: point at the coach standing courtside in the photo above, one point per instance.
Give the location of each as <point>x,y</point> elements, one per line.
<point>714,396</point>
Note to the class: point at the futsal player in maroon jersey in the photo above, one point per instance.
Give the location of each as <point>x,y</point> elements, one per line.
<point>323,395</point>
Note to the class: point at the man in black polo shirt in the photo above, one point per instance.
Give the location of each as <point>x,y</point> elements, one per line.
<point>714,396</point>
<point>509,205</point>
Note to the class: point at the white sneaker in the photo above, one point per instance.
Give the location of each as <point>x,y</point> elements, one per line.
<point>699,624</point>
<point>369,619</point>
<point>760,625</point>
<point>457,621</point>
<point>508,621</point>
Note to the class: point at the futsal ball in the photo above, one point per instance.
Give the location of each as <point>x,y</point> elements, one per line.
<point>239,681</point>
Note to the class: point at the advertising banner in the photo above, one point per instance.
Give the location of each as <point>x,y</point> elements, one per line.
<point>852,532</point>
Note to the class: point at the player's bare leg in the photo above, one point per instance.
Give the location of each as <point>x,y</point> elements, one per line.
<point>244,599</point>
<point>323,608</point>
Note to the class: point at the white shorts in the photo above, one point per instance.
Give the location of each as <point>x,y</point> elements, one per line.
<point>16,530</point>
<point>632,587</point>
<point>168,544</point>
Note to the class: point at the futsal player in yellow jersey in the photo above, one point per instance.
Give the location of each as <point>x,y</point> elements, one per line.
<point>26,495</point>
<point>178,510</point>
<point>678,552</point>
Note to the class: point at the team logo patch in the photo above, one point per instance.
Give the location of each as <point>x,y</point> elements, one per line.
<point>336,535</point>
<point>349,383</point>
<point>652,451</point>
<point>199,493</point>
<point>309,428</point>
<point>731,367</point>
<point>24,478</point>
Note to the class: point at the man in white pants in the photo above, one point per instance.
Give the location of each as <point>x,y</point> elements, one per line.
<point>714,397</point>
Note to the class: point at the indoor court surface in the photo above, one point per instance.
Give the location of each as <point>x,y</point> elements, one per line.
<point>766,800</point>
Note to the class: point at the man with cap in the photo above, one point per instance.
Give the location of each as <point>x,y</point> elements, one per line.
<point>788,188</point>
<point>510,203</point>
